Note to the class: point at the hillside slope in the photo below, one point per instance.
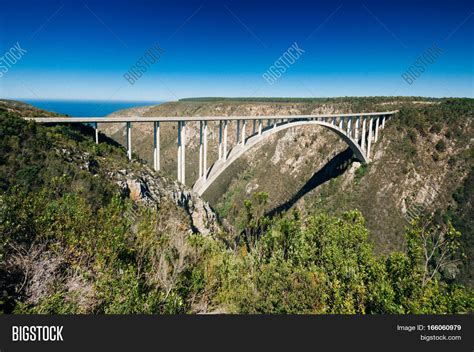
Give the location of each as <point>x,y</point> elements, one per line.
<point>428,143</point>
<point>68,207</point>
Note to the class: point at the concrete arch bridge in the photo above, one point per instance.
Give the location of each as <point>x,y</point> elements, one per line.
<point>358,130</point>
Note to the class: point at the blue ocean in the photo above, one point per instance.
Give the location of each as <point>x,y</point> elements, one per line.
<point>84,108</point>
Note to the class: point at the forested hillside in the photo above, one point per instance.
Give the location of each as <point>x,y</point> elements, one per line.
<point>85,231</point>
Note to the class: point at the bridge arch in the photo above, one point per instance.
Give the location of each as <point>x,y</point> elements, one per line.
<point>216,169</point>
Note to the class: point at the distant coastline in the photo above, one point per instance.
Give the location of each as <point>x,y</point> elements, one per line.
<point>82,108</point>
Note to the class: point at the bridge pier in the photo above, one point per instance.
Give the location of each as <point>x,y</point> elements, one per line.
<point>369,140</point>
<point>356,130</point>
<point>204,157</point>
<point>225,140</point>
<point>156,145</point>
<point>349,126</point>
<point>244,123</point>
<point>129,140</point>
<point>383,121</point>
<point>341,123</point>
<point>237,137</point>
<point>200,149</point>
<point>376,128</point>
<point>362,143</point>
<point>220,139</point>
<point>260,126</point>
<point>254,127</point>
<point>96,133</point>
<point>181,151</point>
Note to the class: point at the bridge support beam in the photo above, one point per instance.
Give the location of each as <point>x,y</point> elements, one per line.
<point>181,151</point>
<point>369,140</point>
<point>96,130</point>
<point>129,140</point>
<point>220,139</point>
<point>349,126</point>
<point>383,121</point>
<point>156,145</point>
<point>357,127</point>
<point>200,149</point>
<point>183,154</point>
<point>244,124</point>
<point>254,127</point>
<point>225,140</point>
<point>341,122</point>
<point>237,137</point>
<point>364,123</point>
<point>377,119</point>
<point>260,123</point>
<point>204,157</point>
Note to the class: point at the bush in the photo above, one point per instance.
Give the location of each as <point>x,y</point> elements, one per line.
<point>440,146</point>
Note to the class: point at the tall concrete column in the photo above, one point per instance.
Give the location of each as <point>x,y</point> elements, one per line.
<point>383,121</point>
<point>156,145</point>
<point>341,122</point>
<point>183,153</point>
<point>237,137</point>
<point>357,126</point>
<point>349,126</point>
<point>364,123</point>
<point>376,128</point>
<point>96,133</point>
<point>254,128</point>
<point>200,149</point>
<point>129,140</point>
<point>204,162</point>
<point>244,123</point>
<point>260,123</point>
<point>369,140</point>
<point>225,140</point>
<point>220,139</point>
<point>179,151</point>
<point>274,123</point>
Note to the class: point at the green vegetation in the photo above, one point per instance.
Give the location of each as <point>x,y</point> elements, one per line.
<point>69,244</point>
<point>372,100</point>
<point>326,265</point>
<point>360,172</point>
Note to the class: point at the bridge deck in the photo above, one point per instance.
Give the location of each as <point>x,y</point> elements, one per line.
<point>193,118</point>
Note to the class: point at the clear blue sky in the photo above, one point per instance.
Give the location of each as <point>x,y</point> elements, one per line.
<point>81,49</point>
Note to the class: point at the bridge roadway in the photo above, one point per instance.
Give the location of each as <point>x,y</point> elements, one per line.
<point>358,130</point>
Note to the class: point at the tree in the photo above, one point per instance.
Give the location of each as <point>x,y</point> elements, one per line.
<point>434,247</point>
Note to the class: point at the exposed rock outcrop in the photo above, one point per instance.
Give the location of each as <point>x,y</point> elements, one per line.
<point>146,187</point>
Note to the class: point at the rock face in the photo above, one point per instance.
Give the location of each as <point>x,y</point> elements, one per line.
<point>148,188</point>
